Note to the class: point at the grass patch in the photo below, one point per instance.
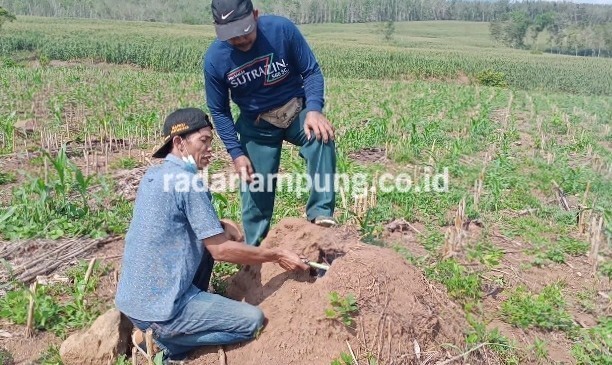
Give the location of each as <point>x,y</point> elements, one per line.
<point>586,300</point>
<point>545,311</point>
<point>558,252</point>
<point>593,345</point>
<point>6,358</point>
<point>485,253</point>
<point>540,350</point>
<point>605,269</point>
<point>573,247</point>
<point>499,344</point>
<point>58,308</point>
<point>530,229</point>
<point>461,284</point>
<point>7,178</point>
<point>344,359</point>
<point>125,163</point>
<point>51,356</point>
<point>432,240</point>
<point>550,239</point>
<point>222,272</point>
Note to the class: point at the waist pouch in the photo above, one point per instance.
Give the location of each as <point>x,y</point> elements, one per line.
<point>282,117</point>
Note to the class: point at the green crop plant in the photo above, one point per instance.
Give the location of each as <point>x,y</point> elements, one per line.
<point>62,204</point>
<point>222,272</point>
<point>342,308</point>
<point>492,78</point>
<point>344,359</point>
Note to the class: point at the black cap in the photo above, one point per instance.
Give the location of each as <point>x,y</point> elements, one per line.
<point>181,122</point>
<point>233,18</point>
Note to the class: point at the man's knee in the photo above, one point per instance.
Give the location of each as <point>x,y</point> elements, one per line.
<point>254,320</point>
<point>314,148</point>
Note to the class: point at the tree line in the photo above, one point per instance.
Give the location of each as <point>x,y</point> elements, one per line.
<point>312,11</point>
<point>560,32</point>
<point>176,11</point>
<point>5,16</point>
<point>565,27</point>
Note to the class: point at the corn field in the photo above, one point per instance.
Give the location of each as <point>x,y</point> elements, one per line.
<point>528,165</point>
<point>156,47</point>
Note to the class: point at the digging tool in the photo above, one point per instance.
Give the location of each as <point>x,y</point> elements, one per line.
<point>316,265</point>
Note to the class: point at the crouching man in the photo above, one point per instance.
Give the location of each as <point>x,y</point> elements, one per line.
<point>172,242</point>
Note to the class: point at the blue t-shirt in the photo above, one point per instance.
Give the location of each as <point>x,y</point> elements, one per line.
<point>279,66</point>
<point>163,246</point>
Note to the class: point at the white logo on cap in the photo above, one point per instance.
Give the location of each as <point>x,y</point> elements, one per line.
<point>248,28</point>
<point>224,16</point>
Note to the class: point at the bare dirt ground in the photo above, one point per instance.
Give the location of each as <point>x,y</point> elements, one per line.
<point>397,306</point>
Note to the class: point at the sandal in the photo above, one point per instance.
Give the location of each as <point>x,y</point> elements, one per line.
<point>139,340</point>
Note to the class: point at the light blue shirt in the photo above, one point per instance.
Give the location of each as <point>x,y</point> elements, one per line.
<point>163,246</point>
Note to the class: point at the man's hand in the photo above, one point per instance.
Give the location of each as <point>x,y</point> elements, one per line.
<point>243,167</point>
<point>290,261</point>
<point>318,124</point>
<point>232,230</point>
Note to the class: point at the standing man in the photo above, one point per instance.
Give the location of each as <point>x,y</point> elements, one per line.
<point>269,70</point>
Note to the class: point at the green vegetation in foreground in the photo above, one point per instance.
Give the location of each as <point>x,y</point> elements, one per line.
<point>593,345</point>
<point>546,310</point>
<point>355,51</point>
<point>53,312</point>
<point>342,308</point>
<point>62,203</point>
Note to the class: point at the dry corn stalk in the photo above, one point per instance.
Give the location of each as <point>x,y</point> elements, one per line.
<point>149,343</point>
<point>478,188</point>
<point>365,201</point>
<point>29,332</point>
<point>585,214</point>
<point>89,270</point>
<point>595,239</point>
<point>561,197</point>
<point>222,357</point>
<point>508,109</point>
<point>455,235</point>
<point>343,198</point>
<point>568,128</point>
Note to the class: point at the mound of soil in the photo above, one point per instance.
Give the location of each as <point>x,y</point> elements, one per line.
<point>398,308</point>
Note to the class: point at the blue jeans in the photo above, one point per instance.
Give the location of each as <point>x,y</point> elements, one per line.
<point>207,319</point>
